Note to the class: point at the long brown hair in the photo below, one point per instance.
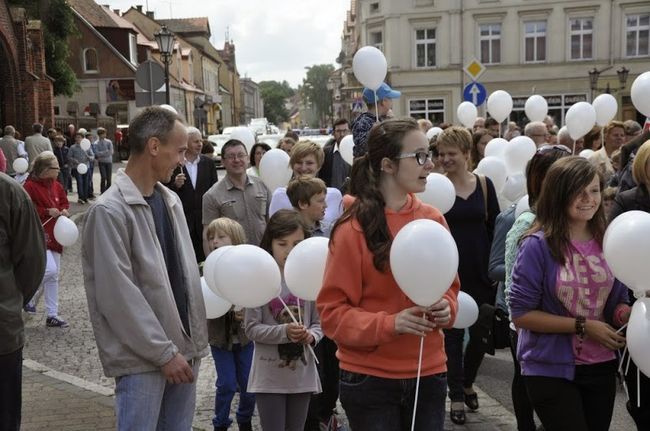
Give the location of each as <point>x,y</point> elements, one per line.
<point>384,141</point>
<point>564,181</point>
<point>282,223</point>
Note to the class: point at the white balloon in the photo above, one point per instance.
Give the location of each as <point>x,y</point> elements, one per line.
<point>638,333</point>
<point>522,206</point>
<point>245,136</point>
<point>65,231</point>
<point>20,165</point>
<point>169,108</point>
<point>626,249</point>
<point>499,105</point>
<point>85,144</point>
<point>496,148</point>
<point>494,169</point>
<point>247,276</point>
<point>82,168</point>
<point>434,131</point>
<point>536,108</point>
<point>439,192</point>
<point>606,107</point>
<point>586,153</point>
<point>346,147</point>
<point>274,169</point>
<point>503,202</point>
<point>640,92</point>
<point>370,67</point>
<point>515,187</point>
<point>467,313</point>
<point>215,306</point>
<point>209,268</point>
<point>421,248</point>
<point>305,267</point>
<point>518,152</point>
<point>467,114</point>
<point>580,119</point>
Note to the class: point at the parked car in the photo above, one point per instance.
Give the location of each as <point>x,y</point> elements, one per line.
<point>217,142</point>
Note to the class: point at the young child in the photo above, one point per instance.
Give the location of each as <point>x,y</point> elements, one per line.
<point>283,375</point>
<point>308,196</point>
<point>231,349</point>
<point>608,199</point>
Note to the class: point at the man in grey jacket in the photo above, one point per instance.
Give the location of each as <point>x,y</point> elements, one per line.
<point>22,265</point>
<point>143,284</point>
<point>104,154</point>
<point>37,143</point>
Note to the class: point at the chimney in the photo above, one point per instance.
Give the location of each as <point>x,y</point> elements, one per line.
<point>116,11</point>
<point>150,14</point>
<point>139,8</point>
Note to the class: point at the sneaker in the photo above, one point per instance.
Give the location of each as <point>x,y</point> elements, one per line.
<point>56,322</point>
<point>82,201</point>
<point>29,308</point>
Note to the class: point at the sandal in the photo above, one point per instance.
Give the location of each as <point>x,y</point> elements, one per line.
<point>471,401</point>
<point>457,416</point>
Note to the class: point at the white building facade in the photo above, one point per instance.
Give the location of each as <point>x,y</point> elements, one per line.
<point>528,47</point>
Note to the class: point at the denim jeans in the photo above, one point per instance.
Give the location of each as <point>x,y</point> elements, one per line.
<point>105,172</point>
<point>89,174</point>
<point>82,184</point>
<point>146,402</point>
<point>64,178</point>
<point>11,376</point>
<point>233,368</point>
<point>377,404</point>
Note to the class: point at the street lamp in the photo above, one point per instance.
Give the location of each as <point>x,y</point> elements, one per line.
<point>165,40</point>
<point>594,74</point>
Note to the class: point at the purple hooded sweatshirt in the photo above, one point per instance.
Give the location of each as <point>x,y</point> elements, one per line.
<point>533,288</point>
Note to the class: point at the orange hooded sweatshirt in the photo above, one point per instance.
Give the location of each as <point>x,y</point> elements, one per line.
<point>358,304</point>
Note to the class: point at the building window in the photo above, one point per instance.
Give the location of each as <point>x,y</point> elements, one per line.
<point>374,7</point>
<point>535,41</point>
<point>490,40</point>
<point>425,47</point>
<point>637,28</point>
<point>133,49</point>
<point>90,60</point>
<point>581,38</point>
<point>431,109</point>
<point>376,39</point>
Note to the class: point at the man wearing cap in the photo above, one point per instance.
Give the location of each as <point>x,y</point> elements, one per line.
<point>364,122</point>
<point>104,156</point>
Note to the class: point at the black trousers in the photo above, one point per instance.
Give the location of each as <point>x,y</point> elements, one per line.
<point>106,173</point>
<point>523,408</point>
<point>584,404</point>
<point>322,405</point>
<point>11,378</point>
<point>462,368</point>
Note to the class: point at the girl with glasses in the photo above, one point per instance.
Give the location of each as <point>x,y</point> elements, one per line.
<point>376,327</point>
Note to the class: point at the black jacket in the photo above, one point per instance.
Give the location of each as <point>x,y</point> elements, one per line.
<point>636,198</point>
<point>325,172</point>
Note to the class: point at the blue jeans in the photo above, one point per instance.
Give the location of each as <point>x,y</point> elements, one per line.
<point>233,368</point>
<point>82,184</point>
<point>146,402</point>
<point>377,404</point>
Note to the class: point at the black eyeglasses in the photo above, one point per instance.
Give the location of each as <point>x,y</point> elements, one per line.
<point>421,157</point>
<point>546,148</point>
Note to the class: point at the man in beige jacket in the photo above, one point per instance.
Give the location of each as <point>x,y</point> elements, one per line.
<point>143,283</point>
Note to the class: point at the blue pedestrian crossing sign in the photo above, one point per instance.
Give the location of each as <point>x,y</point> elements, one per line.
<point>475,93</point>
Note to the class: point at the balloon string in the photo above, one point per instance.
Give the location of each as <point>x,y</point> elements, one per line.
<point>376,106</point>
<point>638,388</point>
<point>299,316</point>
<point>47,221</point>
<point>620,366</point>
<point>574,147</point>
<point>500,126</point>
<point>286,307</point>
<point>621,328</point>
<point>417,382</point>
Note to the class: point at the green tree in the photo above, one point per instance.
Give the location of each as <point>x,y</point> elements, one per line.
<point>58,24</point>
<point>274,94</point>
<point>315,89</point>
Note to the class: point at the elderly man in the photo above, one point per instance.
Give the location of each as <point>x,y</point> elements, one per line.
<point>363,123</point>
<point>238,196</point>
<point>190,182</point>
<point>537,131</point>
<point>37,143</point>
<point>22,265</point>
<point>143,284</point>
<point>479,124</point>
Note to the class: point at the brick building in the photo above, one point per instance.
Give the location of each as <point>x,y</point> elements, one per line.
<point>26,92</point>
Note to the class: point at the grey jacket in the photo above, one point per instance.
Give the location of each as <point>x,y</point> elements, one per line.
<point>77,155</point>
<point>103,150</point>
<point>9,147</point>
<point>22,260</point>
<point>36,144</point>
<point>132,309</point>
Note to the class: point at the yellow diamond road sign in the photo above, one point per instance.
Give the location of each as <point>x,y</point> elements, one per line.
<point>474,69</point>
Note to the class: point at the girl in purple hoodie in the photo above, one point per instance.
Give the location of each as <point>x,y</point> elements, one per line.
<point>566,302</point>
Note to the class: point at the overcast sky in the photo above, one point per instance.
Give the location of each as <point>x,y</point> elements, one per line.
<point>274,39</point>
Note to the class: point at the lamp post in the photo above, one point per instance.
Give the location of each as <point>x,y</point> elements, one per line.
<point>594,74</point>
<point>165,40</point>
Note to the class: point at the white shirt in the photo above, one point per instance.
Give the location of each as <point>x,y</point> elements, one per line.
<point>334,201</point>
<point>193,169</point>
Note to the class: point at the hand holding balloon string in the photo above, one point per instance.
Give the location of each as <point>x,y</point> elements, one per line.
<point>408,321</point>
<point>311,349</point>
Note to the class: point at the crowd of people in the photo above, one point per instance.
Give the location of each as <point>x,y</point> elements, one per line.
<point>145,239</point>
